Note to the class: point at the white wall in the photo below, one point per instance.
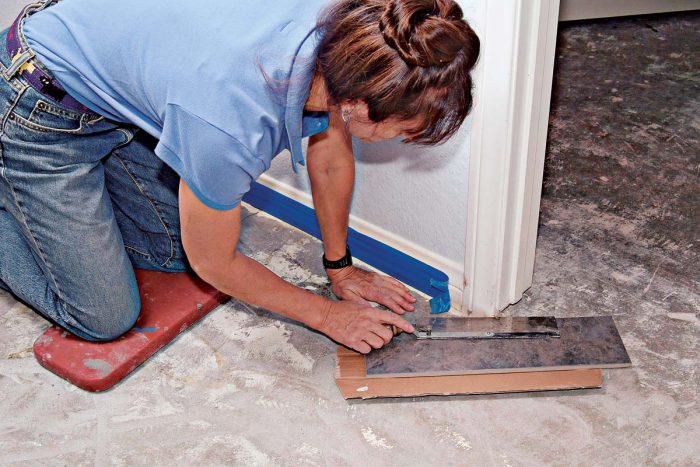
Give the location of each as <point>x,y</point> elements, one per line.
<point>416,195</point>
<point>412,198</point>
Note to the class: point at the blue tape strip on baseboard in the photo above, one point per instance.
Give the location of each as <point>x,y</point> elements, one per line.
<point>391,261</point>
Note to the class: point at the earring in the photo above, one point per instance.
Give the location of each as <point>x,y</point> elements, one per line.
<point>345,115</point>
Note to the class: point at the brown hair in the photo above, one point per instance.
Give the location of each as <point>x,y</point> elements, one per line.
<point>404,59</point>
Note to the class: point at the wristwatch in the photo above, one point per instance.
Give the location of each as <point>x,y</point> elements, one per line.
<point>339,264</point>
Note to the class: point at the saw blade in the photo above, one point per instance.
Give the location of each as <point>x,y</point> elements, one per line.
<point>509,327</point>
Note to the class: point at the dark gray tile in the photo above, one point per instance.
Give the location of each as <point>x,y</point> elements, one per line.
<point>584,342</point>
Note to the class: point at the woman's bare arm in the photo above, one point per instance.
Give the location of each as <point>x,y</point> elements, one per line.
<point>210,238</point>
<point>331,165</point>
<point>331,168</point>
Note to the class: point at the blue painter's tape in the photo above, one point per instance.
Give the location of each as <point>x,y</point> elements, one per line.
<point>442,286</point>
<point>391,261</point>
<point>440,303</point>
<point>145,329</point>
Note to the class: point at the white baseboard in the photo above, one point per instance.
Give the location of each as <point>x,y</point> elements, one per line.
<point>454,270</point>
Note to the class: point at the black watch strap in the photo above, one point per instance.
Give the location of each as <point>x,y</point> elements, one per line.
<point>339,264</point>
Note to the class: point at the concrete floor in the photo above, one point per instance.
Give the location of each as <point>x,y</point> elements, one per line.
<point>618,235</point>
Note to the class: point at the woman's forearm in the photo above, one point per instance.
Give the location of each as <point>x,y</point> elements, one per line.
<point>210,238</point>
<point>249,281</point>
<point>332,193</point>
<point>331,168</point>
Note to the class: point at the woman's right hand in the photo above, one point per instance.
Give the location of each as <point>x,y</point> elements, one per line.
<point>360,327</point>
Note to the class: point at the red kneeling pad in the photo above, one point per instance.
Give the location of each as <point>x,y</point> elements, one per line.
<point>170,303</point>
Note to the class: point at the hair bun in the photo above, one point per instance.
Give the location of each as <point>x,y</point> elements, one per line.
<point>425,32</point>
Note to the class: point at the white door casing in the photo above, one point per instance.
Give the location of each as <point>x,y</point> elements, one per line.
<point>508,142</point>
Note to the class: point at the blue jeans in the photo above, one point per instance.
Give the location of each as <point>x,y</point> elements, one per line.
<point>83,200</point>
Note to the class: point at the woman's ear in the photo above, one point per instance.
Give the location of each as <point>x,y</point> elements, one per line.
<point>354,110</point>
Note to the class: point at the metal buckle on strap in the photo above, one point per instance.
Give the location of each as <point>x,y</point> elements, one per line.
<point>20,62</point>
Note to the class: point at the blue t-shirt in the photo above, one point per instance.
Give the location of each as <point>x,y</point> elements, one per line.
<point>221,83</point>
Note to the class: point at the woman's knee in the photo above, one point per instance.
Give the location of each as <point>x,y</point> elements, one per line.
<point>107,320</point>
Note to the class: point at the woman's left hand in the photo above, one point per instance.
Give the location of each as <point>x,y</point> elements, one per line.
<point>361,286</point>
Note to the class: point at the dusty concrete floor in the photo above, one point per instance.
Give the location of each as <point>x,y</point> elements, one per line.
<point>618,235</point>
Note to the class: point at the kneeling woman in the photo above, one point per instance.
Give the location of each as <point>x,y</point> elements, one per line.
<point>131,130</point>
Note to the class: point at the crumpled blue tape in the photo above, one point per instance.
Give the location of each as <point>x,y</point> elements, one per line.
<point>440,303</point>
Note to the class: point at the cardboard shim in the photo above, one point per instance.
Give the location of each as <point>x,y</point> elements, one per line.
<point>351,379</point>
